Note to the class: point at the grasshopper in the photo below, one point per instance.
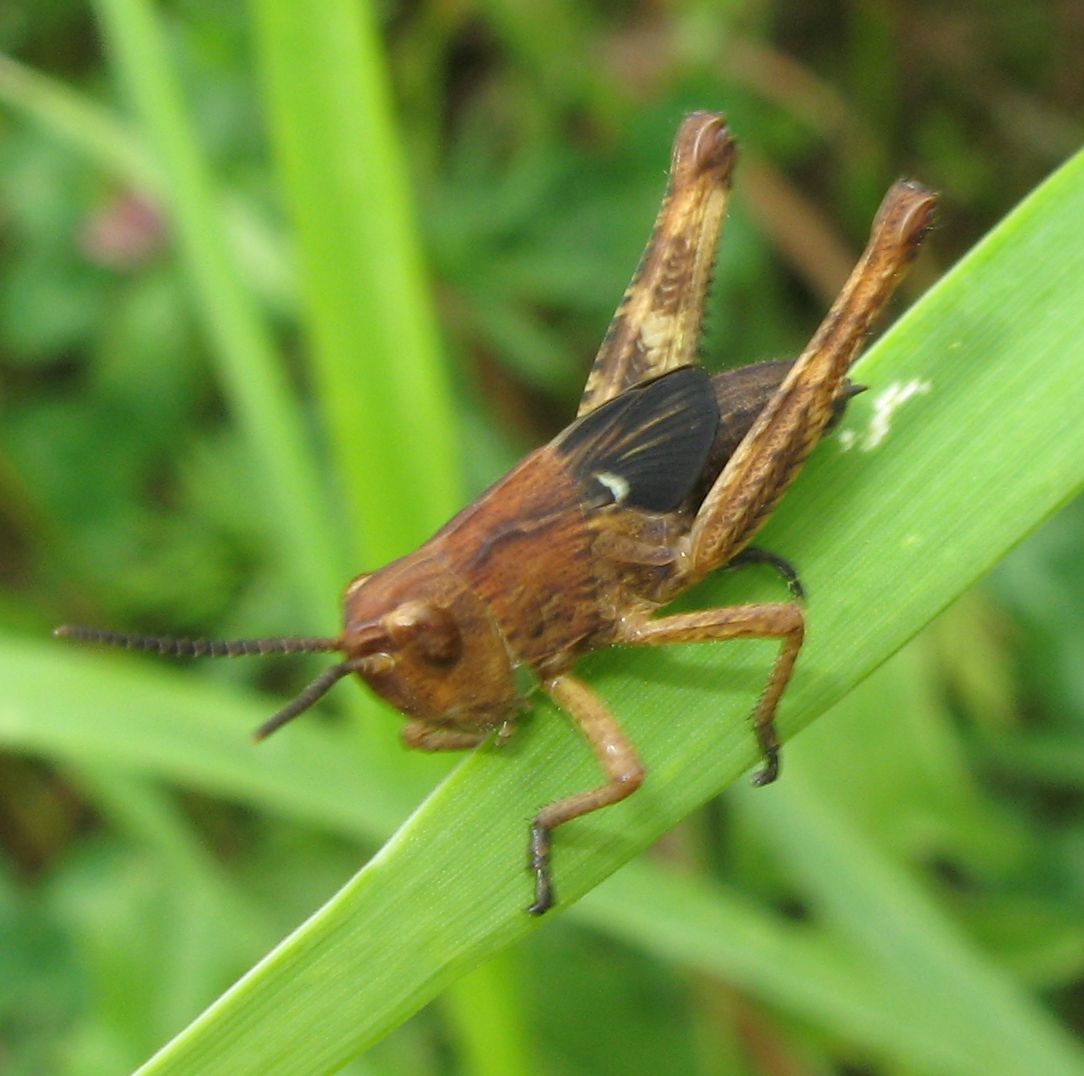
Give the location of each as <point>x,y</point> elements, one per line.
<point>665,476</point>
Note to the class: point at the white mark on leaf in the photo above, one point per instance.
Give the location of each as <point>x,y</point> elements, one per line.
<point>885,405</point>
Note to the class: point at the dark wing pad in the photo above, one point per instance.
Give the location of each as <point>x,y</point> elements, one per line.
<point>647,447</point>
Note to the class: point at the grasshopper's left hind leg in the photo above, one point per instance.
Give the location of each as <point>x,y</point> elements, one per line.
<point>767,620</point>
<point>622,766</point>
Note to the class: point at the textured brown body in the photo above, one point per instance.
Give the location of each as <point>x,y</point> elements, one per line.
<point>533,527</point>
<point>665,476</point>
<point>532,519</point>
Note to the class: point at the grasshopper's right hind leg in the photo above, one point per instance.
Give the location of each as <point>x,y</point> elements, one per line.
<point>770,455</point>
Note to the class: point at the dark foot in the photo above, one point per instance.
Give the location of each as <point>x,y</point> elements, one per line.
<point>787,572</point>
<point>539,863</point>
<point>771,768</point>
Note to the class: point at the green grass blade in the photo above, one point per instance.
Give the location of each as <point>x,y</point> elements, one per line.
<point>248,367</point>
<point>802,970</point>
<point>500,1043</point>
<point>886,534</point>
<point>373,342</point>
<point>948,989</point>
<point>82,125</point>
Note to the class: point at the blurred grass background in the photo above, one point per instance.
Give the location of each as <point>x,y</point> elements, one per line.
<point>279,289</point>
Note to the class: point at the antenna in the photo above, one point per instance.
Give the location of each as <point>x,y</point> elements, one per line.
<point>198,648</point>
<point>309,697</point>
<point>230,648</point>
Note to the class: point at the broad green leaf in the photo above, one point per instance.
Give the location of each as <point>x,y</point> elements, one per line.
<point>983,444</point>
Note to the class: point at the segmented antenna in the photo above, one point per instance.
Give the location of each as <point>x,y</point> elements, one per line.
<point>229,648</point>
<point>197,648</point>
<point>309,697</point>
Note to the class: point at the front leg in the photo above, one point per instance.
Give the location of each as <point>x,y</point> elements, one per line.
<point>622,766</point>
<point>768,620</point>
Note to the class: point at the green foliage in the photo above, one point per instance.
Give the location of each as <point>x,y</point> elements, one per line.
<point>211,417</point>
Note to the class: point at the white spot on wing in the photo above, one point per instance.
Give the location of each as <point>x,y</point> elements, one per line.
<point>885,404</point>
<point>618,486</point>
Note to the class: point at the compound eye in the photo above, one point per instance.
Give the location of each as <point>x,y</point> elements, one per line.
<point>429,630</point>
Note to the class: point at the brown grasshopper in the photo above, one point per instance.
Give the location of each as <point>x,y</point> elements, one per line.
<point>665,476</point>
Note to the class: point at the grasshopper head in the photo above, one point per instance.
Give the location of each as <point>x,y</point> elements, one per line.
<point>424,641</point>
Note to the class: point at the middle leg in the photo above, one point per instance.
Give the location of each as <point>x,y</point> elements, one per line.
<point>767,620</point>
